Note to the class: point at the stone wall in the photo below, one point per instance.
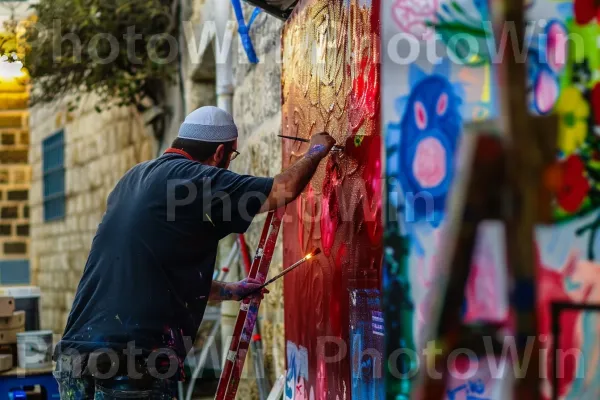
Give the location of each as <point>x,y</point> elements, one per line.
<point>99,149</point>
<point>14,182</point>
<point>257,113</point>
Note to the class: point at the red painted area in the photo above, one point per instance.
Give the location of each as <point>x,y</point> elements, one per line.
<point>330,205</point>
<point>340,211</point>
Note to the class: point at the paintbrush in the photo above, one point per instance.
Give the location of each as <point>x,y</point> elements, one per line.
<point>335,147</point>
<point>285,271</point>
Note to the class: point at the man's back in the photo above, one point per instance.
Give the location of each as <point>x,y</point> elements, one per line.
<point>149,271</point>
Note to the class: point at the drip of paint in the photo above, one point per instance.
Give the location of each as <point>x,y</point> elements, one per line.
<point>330,205</point>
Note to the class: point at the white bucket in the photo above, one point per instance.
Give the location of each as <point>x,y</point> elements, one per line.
<point>34,349</point>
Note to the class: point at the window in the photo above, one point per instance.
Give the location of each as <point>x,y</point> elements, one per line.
<point>53,151</point>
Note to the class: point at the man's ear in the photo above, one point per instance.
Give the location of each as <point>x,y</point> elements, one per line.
<point>219,154</point>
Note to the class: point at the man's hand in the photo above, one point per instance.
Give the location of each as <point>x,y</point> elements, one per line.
<point>290,183</point>
<point>236,290</point>
<point>320,145</point>
<point>243,287</point>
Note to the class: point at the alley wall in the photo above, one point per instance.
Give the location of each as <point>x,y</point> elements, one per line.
<point>98,149</point>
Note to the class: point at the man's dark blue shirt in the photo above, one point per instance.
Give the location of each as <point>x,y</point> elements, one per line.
<point>149,272</point>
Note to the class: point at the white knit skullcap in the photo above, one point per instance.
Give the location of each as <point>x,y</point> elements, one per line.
<point>209,124</point>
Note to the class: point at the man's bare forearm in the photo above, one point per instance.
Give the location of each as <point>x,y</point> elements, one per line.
<point>295,178</point>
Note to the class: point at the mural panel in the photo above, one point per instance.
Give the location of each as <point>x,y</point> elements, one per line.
<point>330,82</point>
<point>425,103</point>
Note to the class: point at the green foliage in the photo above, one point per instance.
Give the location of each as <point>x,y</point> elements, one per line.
<point>88,46</point>
<point>8,43</point>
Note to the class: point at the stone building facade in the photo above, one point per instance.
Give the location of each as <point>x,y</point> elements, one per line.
<point>14,178</point>
<point>98,149</point>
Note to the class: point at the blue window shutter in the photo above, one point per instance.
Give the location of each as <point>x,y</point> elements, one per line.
<point>53,154</point>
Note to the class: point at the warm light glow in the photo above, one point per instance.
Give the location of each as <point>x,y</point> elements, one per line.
<point>11,70</point>
<point>308,256</point>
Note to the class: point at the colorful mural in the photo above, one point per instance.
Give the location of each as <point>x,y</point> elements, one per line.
<point>330,82</point>
<point>423,128</point>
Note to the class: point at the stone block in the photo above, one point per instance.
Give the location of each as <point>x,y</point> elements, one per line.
<point>35,193</point>
<point>18,195</point>
<point>8,139</point>
<point>36,172</point>
<point>62,262</point>
<point>5,229</point>
<point>21,175</point>
<point>146,151</point>
<point>94,174</point>
<point>92,149</point>
<point>69,298</point>
<point>12,120</point>
<point>14,101</point>
<point>76,242</point>
<point>13,157</point>
<point>124,134</point>
<point>111,140</point>
<point>23,230</point>
<point>36,216</point>
<point>35,154</point>
<point>87,201</point>
<point>101,144</point>
<point>15,248</point>
<point>93,221</point>
<point>9,212</point>
<point>24,138</point>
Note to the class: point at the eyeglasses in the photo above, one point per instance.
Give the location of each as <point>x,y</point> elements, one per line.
<point>234,155</point>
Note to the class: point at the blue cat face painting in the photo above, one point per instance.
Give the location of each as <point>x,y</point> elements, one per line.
<point>422,146</point>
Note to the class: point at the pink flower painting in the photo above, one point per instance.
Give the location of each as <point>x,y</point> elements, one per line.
<point>411,16</point>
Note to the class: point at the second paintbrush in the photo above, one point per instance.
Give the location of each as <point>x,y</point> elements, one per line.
<point>285,271</point>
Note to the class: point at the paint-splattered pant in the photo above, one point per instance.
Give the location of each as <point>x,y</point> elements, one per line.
<point>73,385</point>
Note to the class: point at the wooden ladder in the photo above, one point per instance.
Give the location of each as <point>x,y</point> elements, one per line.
<point>246,319</point>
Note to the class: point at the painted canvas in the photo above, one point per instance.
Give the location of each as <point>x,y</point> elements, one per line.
<point>330,82</point>
<point>428,94</point>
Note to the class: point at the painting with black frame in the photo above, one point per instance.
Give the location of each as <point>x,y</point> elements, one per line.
<point>558,308</point>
